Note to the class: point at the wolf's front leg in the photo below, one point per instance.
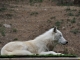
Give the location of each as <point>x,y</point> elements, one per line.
<point>49,52</point>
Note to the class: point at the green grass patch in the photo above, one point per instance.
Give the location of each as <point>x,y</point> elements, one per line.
<point>73,10</point>
<point>70,14</point>
<point>15,39</point>
<point>9,16</point>
<point>2,31</point>
<point>49,21</point>
<point>68,9</point>
<point>75,31</point>
<point>35,1</point>
<point>0,25</point>
<point>64,4</point>
<point>68,20</point>
<point>78,14</point>
<point>6,16</point>
<point>34,13</point>
<point>3,9</point>
<point>0,42</point>
<point>32,2</point>
<point>53,17</point>
<point>73,20</point>
<point>26,56</point>
<point>14,30</point>
<point>58,23</point>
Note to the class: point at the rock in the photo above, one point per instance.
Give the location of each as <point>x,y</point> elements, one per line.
<point>63,28</point>
<point>7,25</point>
<point>45,9</point>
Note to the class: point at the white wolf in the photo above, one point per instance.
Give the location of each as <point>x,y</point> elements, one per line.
<point>40,45</point>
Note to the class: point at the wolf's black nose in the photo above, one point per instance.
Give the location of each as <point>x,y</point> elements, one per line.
<point>66,42</point>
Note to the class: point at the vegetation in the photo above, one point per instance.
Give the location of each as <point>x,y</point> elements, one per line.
<point>15,39</point>
<point>65,51</point>
<point>49,21</point>
<point>33,13</point>
<point>48,55</point>
<point>35,1</point>
<point>73,20</point>
<point>6,16</point>
<point>77,2</point>
<point>2,30</point>
<point>73,10</point>
<point>68,20</point>
<point>0,42</point>
<point>0,25</point>
<point>70,14</point>
<point>14,30</point>
<point>3,9</point>
<point>68,9</point>
<point>9,16</point>
<point>53,17</point>
<point>65,3</point>
<point>17,1</point>
<point>78,14</point>
<point>58,23</point>
<point>75,31</point>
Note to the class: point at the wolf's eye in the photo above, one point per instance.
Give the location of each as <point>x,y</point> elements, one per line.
<point>60,35</point>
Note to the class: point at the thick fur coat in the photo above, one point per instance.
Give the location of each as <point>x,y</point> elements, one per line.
<point>43,44</point>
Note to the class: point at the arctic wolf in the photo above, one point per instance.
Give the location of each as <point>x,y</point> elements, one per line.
<point>39,45</point>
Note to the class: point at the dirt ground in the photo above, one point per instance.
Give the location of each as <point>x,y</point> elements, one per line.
<point>28,21</point>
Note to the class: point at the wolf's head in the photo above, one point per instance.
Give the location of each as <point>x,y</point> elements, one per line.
<point>59,37</point>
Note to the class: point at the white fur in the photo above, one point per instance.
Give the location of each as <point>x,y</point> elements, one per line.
<point>40,45</point>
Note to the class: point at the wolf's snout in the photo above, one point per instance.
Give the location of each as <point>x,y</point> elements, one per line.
<point>66,42</point>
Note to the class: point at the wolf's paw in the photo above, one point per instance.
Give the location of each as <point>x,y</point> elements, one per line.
<point>60,54</point>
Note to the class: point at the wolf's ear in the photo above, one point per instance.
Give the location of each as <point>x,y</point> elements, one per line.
<point>55,29</point>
